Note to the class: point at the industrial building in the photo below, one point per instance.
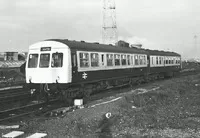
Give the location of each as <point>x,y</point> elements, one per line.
<point>12,56</point>
<point>10,68</point>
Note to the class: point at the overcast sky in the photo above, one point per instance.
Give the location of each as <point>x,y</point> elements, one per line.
<point>157,24</point>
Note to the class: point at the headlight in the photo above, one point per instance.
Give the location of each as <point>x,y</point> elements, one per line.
<point>58,78</point>
<point>30,78</point>
<point>33,90</point>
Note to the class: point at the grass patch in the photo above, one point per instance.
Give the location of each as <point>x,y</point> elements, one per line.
<point>168,107</point>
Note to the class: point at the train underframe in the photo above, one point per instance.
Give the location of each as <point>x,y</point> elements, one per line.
<point>68,92</point>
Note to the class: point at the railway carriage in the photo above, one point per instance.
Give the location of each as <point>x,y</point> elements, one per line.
<point>73,68</point>
<point>163,64</point>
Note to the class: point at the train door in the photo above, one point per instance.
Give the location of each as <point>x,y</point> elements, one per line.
<point>102,65</point>
<point>148,64</point>
<point>102,60</point>
<point>74,67</point>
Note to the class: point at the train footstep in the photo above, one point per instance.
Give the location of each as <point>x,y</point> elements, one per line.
<point>13,134</point>
<point>37,135</point>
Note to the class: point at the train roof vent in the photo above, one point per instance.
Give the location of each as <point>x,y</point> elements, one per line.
<point>96,42</point>
<point>82,41</point>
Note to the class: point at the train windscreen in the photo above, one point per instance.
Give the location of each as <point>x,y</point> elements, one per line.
<point>33,61</point>
<point>44,60</point>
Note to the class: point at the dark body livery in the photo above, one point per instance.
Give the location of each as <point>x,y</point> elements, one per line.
<point>78,68</point>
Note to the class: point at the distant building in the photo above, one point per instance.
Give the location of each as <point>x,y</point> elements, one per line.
<point>122,43</point>
<point>2,56</point>
<point>13,56</point>
<point>11,70</point>
<point>136,45</point>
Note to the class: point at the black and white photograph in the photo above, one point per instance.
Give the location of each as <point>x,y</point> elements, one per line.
<point>100,68</point>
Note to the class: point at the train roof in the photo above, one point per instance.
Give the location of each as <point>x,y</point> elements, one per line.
<point>162,53</point>
<point>85,46</point>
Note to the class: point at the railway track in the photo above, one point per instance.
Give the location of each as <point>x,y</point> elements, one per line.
<point>30,109</point>
<point>13,95</point>
<point>18,112</point>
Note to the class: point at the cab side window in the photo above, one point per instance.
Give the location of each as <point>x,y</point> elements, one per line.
<point>84,60</point>
<point>57,60</point>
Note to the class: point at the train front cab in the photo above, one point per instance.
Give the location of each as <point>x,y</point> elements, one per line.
<point>48,63</point>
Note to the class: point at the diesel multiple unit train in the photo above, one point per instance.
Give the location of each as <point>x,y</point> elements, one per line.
<point>77,69</point>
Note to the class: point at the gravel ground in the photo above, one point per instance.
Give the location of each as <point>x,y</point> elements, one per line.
<point>167,108</point>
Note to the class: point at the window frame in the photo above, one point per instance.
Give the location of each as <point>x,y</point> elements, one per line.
<point>123,59</point>
<point>117,59</point>
<point>107,55</point>
<point>136,61</point>
<point>98,63</point>
<point>79,59</point>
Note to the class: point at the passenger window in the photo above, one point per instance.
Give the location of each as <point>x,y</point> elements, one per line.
<point>109,59</point>
<point>128,59</point>
<point>160,61</point>
<point>156,60</point>
<point>123,59</point>
<point>152,60</point>
<point>141,60</point>
<point>57,60</point>
<point>102,59</point>
<point>44,60</point>
<point>136,60</point>
<point>94,59</point>
<point>33,61</point>
<point>84,60</point>
<point>144,60</point>
<point>117,60</point>
<point>132,60</point>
